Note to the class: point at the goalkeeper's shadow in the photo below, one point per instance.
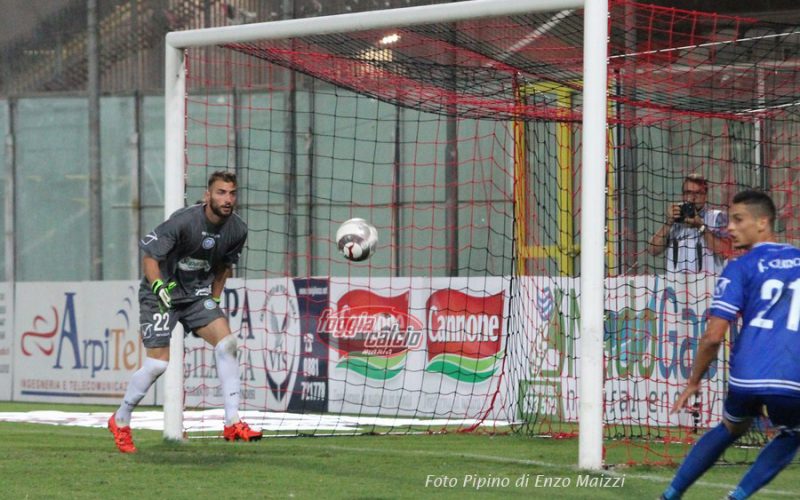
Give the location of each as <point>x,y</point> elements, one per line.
<point>197,453</point>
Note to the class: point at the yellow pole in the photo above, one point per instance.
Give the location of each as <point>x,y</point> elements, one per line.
<point>520,186</point>
<point>564,250</point>
<point>611,233</point>
<point>565,188</point>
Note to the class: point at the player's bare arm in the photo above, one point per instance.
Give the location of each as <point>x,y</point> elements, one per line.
<point>658,242</point>
<point>221,273</point>
<point>706,354</point>
<point>151,269</point>
<point>719,245</point>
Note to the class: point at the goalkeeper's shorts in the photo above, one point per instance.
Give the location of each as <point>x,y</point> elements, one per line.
<point>155,326</point>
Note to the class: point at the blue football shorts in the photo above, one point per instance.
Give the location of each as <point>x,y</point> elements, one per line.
<point>783,411</point>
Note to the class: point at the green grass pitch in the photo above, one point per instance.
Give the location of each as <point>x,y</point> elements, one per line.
<point>45,461</point>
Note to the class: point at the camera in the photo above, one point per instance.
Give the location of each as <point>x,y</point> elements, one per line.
<point>688,211</point>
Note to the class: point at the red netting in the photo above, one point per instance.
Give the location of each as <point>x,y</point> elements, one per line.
<point>461,143</point>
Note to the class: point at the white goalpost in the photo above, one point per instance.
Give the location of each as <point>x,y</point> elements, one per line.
<point>593,173</point>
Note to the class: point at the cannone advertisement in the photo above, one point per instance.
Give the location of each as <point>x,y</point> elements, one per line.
<point>421,346</point>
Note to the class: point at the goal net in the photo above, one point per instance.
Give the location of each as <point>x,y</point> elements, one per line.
<point>461,142</point>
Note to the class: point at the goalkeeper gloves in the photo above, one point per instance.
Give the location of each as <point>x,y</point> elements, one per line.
<point>162,291</point>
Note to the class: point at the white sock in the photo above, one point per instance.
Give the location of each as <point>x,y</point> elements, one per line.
<point>138,386</point>
<point>228,372</point>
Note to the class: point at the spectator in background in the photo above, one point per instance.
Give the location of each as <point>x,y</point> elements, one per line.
<point>694,235</point>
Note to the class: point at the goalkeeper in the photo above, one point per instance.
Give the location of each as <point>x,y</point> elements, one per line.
<point>186,261</point>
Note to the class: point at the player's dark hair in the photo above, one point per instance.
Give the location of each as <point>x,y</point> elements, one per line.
<point>697,179</point>
<point>221,175</point>
<point>758,200</point>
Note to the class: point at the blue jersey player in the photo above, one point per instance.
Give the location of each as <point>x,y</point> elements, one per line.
<point>763,288</point>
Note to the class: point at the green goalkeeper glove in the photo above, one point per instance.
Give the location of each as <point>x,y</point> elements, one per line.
<point>163,292</point>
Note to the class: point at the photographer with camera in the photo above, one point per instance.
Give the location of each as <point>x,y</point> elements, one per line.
<point>694,235</point>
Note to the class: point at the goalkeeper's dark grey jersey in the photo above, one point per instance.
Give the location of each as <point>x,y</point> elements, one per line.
<point>189,247</point>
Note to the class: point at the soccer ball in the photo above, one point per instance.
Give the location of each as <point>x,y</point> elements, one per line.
<point>357,239</point>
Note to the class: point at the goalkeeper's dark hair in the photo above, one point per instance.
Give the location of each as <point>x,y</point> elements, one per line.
<point>758,202</point>
<point>222,175</point>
